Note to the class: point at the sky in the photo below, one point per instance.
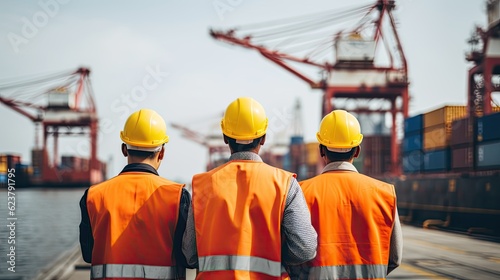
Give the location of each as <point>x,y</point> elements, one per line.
<point>196,77</point>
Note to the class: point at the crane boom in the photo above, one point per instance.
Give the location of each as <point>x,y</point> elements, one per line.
<point>353,72</point>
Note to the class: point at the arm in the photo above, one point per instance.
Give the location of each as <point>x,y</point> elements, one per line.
<point>86,238</point>
<point>189,241</point>
<point>396,249</point>
<point>300,237</point>
<point>185,203</point>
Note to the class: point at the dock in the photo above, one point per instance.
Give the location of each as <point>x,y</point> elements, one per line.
<point>71,266</point>
<point>427,254</point>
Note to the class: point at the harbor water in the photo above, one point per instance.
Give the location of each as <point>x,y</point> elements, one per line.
<point>46,226</point>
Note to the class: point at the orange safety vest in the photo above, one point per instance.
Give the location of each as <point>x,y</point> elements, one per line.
<point>353,215</point>
<point>133,218</point>
<point>238,208</point>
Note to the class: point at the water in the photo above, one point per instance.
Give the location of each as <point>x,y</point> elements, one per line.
<point>46,226</point>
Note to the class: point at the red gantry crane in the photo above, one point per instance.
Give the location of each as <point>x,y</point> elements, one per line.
<point>367,74</point>
<point>484,76</point>
<point>63,104</point>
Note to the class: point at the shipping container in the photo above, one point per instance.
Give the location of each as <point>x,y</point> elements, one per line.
<point>296,140</point>
<point>376,152</point>
<point>488,155</point>
<point>462,157</point>
<point>413,162</point>
<point>412,142</point>
<point>488,128</point>
<point>3,166</point>
<point>72,162</point>
<point>37,159</point>
<point>445,115</point>
<point>312,153</point>
<point>435,138</point>
<point>437,161</point>
<point>287,163</point>
<point>3,179</point>
<point>312,170</point>
<point>461,132</point>
<point>414,124</point>
<point>22,175</point>
<point>9,160</point>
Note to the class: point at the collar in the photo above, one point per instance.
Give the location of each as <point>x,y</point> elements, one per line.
<point>139,167</point>
<point>339,166</point>
<point>245,156</point>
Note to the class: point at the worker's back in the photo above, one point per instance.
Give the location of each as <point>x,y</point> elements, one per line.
<point>238,209</point>
<point>133,218</point>
<point>353,215</point>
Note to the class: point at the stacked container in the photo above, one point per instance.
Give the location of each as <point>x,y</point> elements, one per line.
<point>7,162</point>
<point>437,135</point>
<point>297,156</point>
<point>376,154</point>
<point>462,145</point>
<point>312,159</point>
<point>412,145</point>
<point>488,142</point>
<point>37,162</point>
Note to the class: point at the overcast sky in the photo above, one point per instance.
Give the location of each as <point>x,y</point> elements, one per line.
<point>122,42</point>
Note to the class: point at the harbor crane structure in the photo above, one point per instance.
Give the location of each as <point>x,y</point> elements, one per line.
<point>357,51</point>
<point>62,104</point>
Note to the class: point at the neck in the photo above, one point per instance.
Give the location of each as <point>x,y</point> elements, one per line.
<point>151,162</point>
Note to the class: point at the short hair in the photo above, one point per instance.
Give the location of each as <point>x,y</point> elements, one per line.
<point>334,156</point>
<point>236,147</point>
<point>142,154</point>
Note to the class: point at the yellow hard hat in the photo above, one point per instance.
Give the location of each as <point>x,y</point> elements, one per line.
<point>144,130</point>
<point>244,120</point>
<point>339,131</point>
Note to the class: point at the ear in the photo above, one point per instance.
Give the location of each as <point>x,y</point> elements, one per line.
<point>321,151</point>
<point>263,140</point>
<point>124,150</point>
<point>161,153</point>
<point>358,150</point>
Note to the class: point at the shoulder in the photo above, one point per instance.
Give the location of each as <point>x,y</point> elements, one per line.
<point>166,182</point>
<point>101,186</point>
<point>378,183</point>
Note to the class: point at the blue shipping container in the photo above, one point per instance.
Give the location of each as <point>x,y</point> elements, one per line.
<point>412,143</point>
<point>438,160</point>
<point>488,155</point>
<point>412,162</point>
<point>487,128</point>
<point>415,123</point>
<point>296,140</point>
<point>3,178</point>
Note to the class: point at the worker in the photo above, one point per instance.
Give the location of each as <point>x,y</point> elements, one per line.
<point>355,216</point>
<point>248,220</point>
<point>132,224</point>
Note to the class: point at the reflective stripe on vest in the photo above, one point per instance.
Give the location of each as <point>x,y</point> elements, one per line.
<point>247,263</point>
<point>360,271</point>
<point>132,271</point>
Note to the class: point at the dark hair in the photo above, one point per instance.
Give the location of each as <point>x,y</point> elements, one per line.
<point>142,154</point>
<point>334,156</point>
<point>235,147</point>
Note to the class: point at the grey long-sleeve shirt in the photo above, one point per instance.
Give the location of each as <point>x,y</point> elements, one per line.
<point>300,236</point>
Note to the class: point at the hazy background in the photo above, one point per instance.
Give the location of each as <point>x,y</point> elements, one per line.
<point>120,40</point>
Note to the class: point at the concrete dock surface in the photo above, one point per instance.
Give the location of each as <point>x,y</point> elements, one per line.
<point>427,254</point>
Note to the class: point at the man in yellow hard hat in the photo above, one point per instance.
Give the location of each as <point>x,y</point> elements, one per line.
<point>359,233</point>
<point>248,220</point>
<point>132,224</point>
